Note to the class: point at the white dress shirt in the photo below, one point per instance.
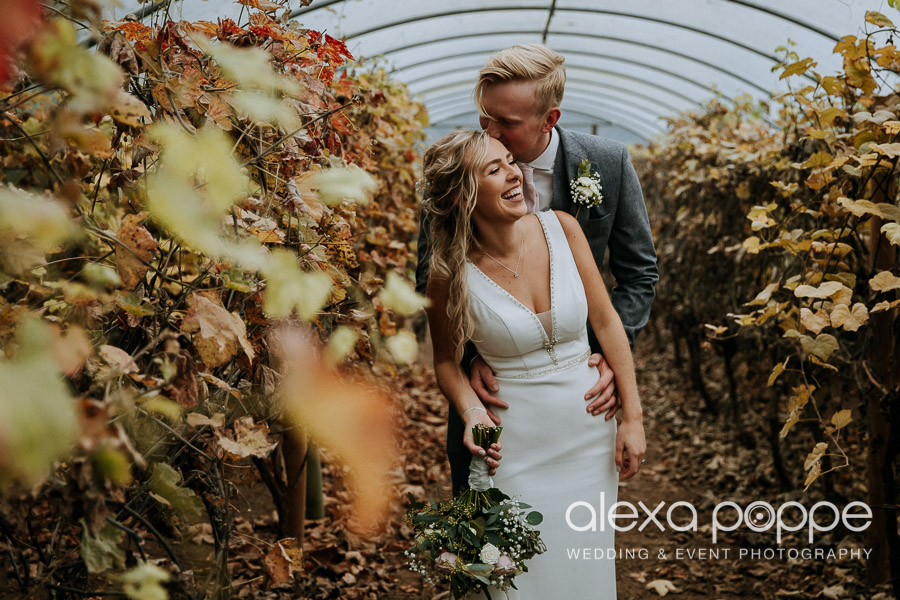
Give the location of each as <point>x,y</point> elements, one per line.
<point>543,172</point>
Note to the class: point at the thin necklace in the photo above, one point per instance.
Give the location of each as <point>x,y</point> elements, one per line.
<point>518,260</point>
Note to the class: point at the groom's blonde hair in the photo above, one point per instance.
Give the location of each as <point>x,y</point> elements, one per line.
<point>526,62</point>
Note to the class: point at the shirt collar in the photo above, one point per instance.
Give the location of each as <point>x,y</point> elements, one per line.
<point>548,157</point>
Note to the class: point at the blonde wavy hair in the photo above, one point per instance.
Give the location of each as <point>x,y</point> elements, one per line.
<point>451,174</point>
<point>526,62</point>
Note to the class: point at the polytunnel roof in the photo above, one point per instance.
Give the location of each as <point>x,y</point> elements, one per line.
<point>628,63</point>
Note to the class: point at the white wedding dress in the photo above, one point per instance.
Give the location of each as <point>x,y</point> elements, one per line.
<point>554,452</point>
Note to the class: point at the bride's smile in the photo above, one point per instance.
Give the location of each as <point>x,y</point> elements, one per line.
<point>499,194</point>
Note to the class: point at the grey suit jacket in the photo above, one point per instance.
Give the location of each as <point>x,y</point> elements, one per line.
<point>619,223</point>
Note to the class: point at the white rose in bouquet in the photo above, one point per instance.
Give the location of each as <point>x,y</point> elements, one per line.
<point>490,554</point>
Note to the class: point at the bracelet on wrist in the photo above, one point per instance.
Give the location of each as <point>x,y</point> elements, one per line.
<point>468,410</point>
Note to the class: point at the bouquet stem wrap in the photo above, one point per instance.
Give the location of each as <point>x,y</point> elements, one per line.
<point>479,480</point>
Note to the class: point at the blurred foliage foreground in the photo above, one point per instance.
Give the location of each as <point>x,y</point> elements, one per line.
<point>202,230</point>
<point>778,242</point>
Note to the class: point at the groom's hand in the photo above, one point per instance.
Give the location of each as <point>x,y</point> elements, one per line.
<point>604,391</point>
<point>481,378</point>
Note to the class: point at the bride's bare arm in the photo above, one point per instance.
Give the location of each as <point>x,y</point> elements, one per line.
<point>610,333</point>
<point>450,377</point>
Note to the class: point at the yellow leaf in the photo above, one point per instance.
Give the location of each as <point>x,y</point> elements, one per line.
<point>776,372</point>
<point>344,183</point>
<point>833,85</point>
<point>42,219</point>
<point>797,68</point>
<point>249,67</point>
<point>57,59</point>
<point>815,456</point>
<point>889,211</point>
<point>263,108</point>
<point>400,296</point>
<point>883,306</point>
<point>219,334</point>
<point>752,245</point>
<point>247,439</point>
<point>813,474</point>
<point>352,420</point>
<point>132,259</point>
<point>288,288</point>
<point>662,587</point>
<point>814,322</point>
<point>792,420</point>
<point>159,405</point>
<point>884,282</point>
<point>849,319</point>
<point>878,19</point>
<point>892,232</point>
<point>825,290</point>
<point>38,421</point>
<point>823,346</point>
<point>341,342</point>
<point>403,347</point>
<point>827,116</point>
<point>129,110</point>
<point>815,360</point>
<point>207,156</point>
<point>763,297</point>
<point>891,127</point>
<point>890,150</point>
<point>819,159</point>
<point>716,330</point>
<point>859,208</point>
<point>841,418</point>
<point>144,582</point>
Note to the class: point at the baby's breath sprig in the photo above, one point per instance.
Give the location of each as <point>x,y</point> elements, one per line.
<point>587,189</point>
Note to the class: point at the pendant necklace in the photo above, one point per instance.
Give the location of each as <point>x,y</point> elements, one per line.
<point>518,260</point>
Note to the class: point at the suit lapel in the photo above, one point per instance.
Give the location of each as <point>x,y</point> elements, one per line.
<point>562,197</point>
<point>564,169</point>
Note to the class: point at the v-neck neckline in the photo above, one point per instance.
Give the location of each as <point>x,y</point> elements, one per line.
<point>549,340</point>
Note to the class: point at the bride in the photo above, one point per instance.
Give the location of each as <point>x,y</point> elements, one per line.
<point>527,318</point>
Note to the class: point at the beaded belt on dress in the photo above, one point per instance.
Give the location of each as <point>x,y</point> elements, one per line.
<point>572,362</point>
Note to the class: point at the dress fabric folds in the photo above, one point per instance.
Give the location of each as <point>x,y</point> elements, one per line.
<point>556,456</point>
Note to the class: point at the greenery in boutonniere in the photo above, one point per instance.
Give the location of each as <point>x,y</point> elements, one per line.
<point>586,187</point>
<point>477,539</point>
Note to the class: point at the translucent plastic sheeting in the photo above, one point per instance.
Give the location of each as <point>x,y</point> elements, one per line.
<point>629,64</point>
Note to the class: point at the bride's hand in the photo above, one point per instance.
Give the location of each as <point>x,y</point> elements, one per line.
<point>492,457</point>
<point>630,447</point>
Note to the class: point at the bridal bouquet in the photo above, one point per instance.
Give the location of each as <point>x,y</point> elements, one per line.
<point>477,539</point>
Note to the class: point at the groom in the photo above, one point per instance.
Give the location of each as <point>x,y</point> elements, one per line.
<point>518,94</point>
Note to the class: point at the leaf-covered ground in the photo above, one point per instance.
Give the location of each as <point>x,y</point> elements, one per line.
<point>689,458</point>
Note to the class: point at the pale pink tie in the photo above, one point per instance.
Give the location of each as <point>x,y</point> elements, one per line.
<point>528,189</point>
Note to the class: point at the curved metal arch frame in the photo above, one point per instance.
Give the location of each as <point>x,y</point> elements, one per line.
<point>709,65</point>
<point>583,97</point>
<point>591,84</point>
<point>439,15</point>
<point>578,94</point>
<point>305,10</point>
<point>705,88</point>
<point>631,125</point>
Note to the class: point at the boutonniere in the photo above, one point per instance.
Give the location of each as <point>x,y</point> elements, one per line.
<point>586,187</point>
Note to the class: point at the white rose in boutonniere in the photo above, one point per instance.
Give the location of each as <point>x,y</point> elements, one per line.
<point>586,187</point>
